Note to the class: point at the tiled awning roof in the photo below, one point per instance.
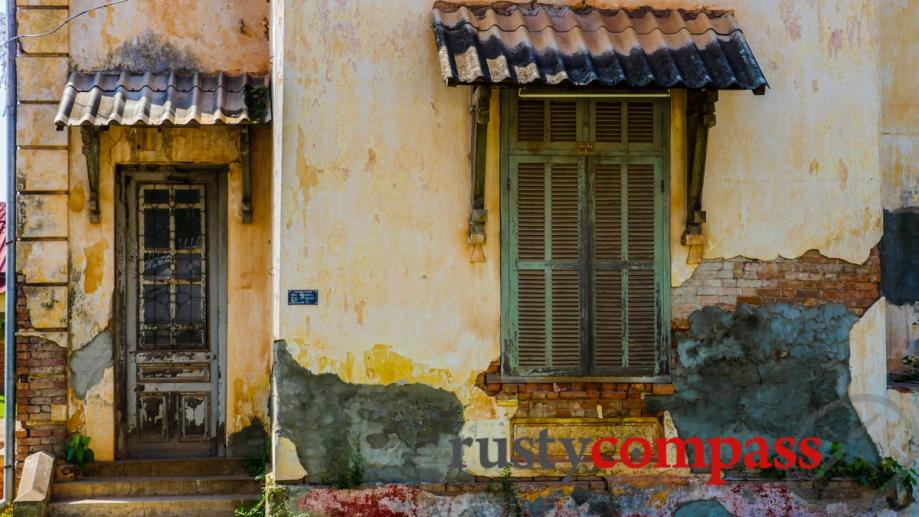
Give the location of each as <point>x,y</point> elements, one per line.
<point>166,98</point>
<point>531,43</point>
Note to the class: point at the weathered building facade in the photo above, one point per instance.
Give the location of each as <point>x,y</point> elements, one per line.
<point>378,229</point>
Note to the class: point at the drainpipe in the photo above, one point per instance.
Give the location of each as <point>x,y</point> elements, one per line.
<point>9,381</point>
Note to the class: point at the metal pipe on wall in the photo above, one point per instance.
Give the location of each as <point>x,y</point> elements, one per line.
<point>9,381</point>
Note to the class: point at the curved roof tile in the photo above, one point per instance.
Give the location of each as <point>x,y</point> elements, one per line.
<point>532,43</point>
<point>167,98</point>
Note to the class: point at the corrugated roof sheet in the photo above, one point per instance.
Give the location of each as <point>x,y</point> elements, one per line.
<point>166,98</point>
<point>531,43</point>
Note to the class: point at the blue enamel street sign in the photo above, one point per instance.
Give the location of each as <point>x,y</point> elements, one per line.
<point>302,297</point>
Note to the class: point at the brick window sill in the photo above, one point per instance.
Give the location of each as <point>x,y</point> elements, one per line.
<point>510,379</point>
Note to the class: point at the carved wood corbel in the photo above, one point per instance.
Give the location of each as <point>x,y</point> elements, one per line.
<point>700,116</point>
<point>480,106</point>
<point>90,136</point>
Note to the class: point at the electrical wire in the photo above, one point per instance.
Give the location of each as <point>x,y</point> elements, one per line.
<point>65,22</point>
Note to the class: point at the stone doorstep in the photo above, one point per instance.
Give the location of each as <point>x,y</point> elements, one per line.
<point>154,486</point>
<point>155,468</point>
<point>156,506</point>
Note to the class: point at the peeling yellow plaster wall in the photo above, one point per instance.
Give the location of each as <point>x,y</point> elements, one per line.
<point>373,181</point>
<point>92,253</point>
<point>900,106</point>
<point>375,201</point>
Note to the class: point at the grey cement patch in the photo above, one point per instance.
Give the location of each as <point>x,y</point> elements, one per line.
<point>777,370</point>
<point>248,442</point>
<point>89,363</point>
<point>148,52</point>
<point>403,430</point>
<point>702,509</point>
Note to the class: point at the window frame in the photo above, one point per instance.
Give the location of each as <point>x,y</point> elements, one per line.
<point>511,152</point>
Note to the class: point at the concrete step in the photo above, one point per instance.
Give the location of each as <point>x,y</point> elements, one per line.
<point>98,487</point>
<point>157,468</point>
<point>157,506</point>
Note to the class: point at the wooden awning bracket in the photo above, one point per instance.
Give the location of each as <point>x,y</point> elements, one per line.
<point>700,116</point>
<point>245,158</point>
<point>479,108</point>
<point>90,137</point>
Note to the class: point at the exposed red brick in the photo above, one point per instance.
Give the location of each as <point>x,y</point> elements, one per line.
<point>808,280</point>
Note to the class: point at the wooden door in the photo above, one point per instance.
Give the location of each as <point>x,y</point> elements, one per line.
<point>173,271</point>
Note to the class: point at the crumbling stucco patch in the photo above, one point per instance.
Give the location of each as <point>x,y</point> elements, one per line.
<point>403,430</point>
<point>777,370</point>
<point>89,363</point>
<point>287,464</point>
<point>148,52</point>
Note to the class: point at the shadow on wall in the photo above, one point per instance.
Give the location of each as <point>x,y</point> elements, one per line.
<point>403,431</point>
<point>777,370</point>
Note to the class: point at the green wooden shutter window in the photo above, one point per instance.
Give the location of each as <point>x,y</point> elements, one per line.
<point>586,264</point>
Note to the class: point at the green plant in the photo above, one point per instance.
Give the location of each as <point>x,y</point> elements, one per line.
<point>78,451</point>
<point>345,469</point>
<point>271,503</point>
<point>911,363</point>
<point>257,466</point>
<point>885,475</point>
<point>504,490</point>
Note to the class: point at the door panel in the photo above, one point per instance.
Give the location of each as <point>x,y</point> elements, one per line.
<point>172,338</point>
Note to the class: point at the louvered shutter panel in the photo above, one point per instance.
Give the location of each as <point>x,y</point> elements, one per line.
<point>586,297</point>
<point>563,121</point>
<point>531,120</point>
<point>625,255</point>
<point>641,122</point>
<point>608,122</point>
<point>641,302</point>
<point>607,246</point>
<point>547,279</point>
